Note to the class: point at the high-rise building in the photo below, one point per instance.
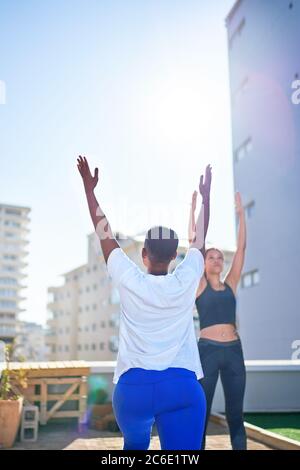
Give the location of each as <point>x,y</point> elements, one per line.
<point>14,230</point>
<point>263,48</point>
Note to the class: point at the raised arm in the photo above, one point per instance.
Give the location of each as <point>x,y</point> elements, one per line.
<point>101,224</point>
<point>202,223</point>
<point>234,275</point>
<point>192,222</point>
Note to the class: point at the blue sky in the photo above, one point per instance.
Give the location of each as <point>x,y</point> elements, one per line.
<point>139,87</point>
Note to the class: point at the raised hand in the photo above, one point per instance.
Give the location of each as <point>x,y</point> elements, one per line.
<point>89,181</point>
<point>238,203</point>
<point>204,186</point>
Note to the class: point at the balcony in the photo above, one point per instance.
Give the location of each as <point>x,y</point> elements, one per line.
<point>7,319</point>
<point>13,297</point>
<point>15,273</point>
<point>14,240</point>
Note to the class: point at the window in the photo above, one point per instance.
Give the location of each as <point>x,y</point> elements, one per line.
<point>78,347</point>
<point>93,347</point>
<point>9,234</point>
<point>94,326</point>
<point>101,346</point>
<point>86,347</point>
<point>8,280</point>
<point>249,209</point>
<point>66,348</point>
<point>8,304</point>
<point>250,279</point>
<point>102,324</point>
<point>243,150</point>
<point>255,277</point>
<point>13,257</point>
<point>115,319</point>
<point>9,268</point>
<point>7,293</point>
<point>113,343</point>
<point>13,212</point>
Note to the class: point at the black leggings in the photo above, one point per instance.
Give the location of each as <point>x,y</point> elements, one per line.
<point>226,358</point>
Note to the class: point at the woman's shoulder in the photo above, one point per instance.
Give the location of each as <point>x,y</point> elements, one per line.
<point>201,286</point>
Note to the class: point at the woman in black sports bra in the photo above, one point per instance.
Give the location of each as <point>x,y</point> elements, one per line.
<point>219,344</point>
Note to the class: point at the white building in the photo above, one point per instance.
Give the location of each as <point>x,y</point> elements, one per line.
<point>30,342</point>
<point>14,222</point>
<point>263,44</point>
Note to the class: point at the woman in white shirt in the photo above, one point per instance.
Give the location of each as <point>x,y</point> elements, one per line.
<point>158,365</point>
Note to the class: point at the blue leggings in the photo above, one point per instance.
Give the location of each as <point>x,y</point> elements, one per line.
<point>172,398</point>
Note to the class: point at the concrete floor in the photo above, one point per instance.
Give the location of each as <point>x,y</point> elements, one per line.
<point>65,436</point>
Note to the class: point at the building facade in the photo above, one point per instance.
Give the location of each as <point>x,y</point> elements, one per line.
<point>14,231</point>
<point>263,49</point>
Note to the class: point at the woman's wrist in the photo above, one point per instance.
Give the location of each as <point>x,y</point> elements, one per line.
<point>205,198</point>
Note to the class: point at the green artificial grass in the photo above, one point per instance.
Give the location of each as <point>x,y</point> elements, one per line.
<point>286,424</point>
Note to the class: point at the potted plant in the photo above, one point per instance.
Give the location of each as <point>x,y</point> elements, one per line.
<point>11,401</point>
<point>99,407</point>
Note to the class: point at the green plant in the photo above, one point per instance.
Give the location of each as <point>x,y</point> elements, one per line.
<point>11,380</point>
<point>101,396</point>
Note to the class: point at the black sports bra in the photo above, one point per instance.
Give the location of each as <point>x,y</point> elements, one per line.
<point>216,306</point>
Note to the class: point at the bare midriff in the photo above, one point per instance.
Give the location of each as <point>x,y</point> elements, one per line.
<point>220,332</point>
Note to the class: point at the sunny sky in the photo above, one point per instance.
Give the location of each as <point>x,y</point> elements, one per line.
<point>139,87</point>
